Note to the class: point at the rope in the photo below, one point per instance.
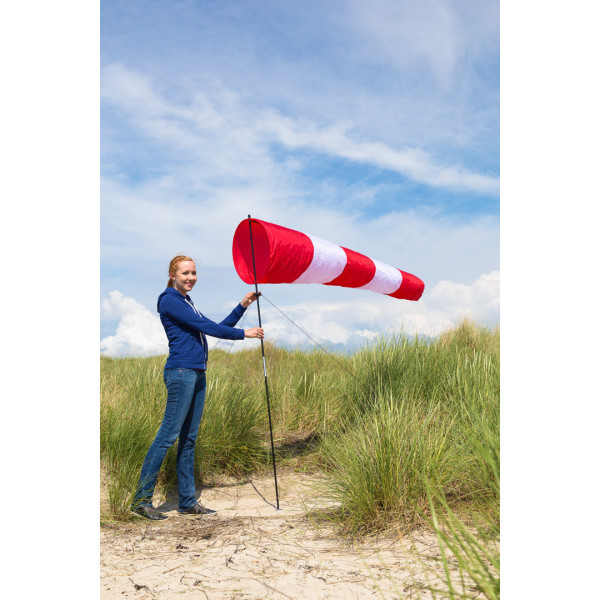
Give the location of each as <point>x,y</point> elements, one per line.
<point>232,341</point>
<point>314,341</point>
<point>362,384</point>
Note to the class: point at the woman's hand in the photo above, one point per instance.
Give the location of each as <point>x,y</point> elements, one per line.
<point>255,332</point>
<point>248,299</point>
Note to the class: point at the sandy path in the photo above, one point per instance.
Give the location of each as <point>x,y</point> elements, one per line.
<point>251,550</point>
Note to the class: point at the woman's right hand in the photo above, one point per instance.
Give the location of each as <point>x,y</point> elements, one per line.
<point>255,332</point>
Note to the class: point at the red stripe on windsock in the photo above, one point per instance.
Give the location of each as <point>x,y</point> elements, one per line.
<point>411,287</point>
<point>281,254</point>
<point>359,270</point>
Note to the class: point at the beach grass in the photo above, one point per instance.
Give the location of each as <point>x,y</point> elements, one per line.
<point>472,543</point>
<point>400,428</point>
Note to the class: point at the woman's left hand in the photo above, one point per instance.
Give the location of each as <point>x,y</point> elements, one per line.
<point>248,299</point>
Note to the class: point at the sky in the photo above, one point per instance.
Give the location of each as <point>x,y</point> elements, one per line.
<point>372,125</point>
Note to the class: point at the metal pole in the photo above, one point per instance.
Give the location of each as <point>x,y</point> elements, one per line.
<point>262,347</point>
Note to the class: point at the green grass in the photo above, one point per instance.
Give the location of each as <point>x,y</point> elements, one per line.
<point>409,418</point>
<point>376,464</point>
<point>472,544</point>
<point>230,439</point>
<point>400,438</point>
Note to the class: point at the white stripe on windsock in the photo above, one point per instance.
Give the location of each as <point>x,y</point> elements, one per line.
<point>328,262</point>
<point>387,279</point>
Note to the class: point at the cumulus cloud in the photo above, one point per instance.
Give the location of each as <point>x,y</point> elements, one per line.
<point>348,324</point>
<point>367,316</point>
<point>479,301</point>
<point>139,332</point>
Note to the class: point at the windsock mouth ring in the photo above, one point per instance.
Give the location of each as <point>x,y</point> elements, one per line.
<point>281,255</point>
<point>242,251</point>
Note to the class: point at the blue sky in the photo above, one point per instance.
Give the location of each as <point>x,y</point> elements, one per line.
<point>373,125</point>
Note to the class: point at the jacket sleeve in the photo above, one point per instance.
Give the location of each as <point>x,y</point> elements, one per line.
<point>234,316</point>
<point>186,315</point>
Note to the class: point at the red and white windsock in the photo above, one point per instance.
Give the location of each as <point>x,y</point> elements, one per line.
<point>284,255</point>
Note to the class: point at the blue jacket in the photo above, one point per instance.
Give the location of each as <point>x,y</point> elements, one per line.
<point>185,327</point>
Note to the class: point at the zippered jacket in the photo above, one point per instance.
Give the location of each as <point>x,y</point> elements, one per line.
<point>186,327</point>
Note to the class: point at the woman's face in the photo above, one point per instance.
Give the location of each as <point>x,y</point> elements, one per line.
<point>185,277</point>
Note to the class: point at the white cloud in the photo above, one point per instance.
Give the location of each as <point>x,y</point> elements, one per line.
<point>433,34</point>
<point>351,322</point>
<point>401,32</point>
<point>479,301</point>
<point>215,164</point>
<point>366,315</point>
<point>233,139</point>
<point>139,332</point>
<point>163,222</point>
<point>403,72</point>
<point>413,163</point>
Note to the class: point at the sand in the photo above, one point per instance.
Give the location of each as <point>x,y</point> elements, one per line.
<point>251,550</point>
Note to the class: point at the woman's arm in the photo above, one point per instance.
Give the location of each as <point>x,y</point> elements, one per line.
<point>236,314</point>
<point>183,313</point>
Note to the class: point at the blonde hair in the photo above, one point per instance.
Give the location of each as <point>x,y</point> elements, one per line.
<point>173,266</point>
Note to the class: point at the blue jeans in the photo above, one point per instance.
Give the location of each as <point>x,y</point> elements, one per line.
<point>186,389</point>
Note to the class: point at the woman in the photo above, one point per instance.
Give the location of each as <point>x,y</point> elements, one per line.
<point>184,377</point>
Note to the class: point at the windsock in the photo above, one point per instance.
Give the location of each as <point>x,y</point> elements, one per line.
<point>283,255</point>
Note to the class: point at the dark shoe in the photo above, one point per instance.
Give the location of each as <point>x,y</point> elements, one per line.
<point>149,512</point>
<point>198,510</point>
